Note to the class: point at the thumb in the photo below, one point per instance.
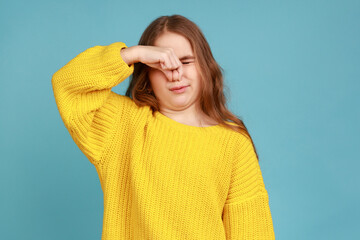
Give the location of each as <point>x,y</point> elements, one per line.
<point>168,74</point>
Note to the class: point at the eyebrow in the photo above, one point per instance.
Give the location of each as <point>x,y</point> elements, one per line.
<point>187,57</point>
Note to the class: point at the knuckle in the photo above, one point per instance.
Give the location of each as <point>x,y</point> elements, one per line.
<point>164,55</point>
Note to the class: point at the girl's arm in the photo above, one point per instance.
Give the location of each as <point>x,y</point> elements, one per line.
<point>246,214</point>
<point>87,106</point>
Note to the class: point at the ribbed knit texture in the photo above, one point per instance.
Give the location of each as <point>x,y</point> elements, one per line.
<point>161,179</point>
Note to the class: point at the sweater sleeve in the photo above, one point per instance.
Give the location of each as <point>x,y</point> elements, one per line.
<point>87,106</point>
<point>246,214</point>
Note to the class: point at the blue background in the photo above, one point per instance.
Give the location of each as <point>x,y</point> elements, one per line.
<point>292,70</point>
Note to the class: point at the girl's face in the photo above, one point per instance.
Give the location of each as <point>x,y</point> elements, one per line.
<point>171,100</point>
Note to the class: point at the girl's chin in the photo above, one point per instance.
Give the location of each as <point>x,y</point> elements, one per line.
<point>179,103</point>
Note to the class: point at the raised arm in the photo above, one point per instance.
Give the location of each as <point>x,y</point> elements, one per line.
<point>246,214</point>
<point>87,106</point>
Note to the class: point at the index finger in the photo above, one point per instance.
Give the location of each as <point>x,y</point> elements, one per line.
<point>180,70</point>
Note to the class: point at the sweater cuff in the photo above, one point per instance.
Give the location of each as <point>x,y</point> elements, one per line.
<point>113,63</point>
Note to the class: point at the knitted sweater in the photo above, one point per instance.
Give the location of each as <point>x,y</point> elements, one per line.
<point>161,179</point>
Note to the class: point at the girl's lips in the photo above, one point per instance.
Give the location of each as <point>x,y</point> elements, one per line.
<point>177,88</point>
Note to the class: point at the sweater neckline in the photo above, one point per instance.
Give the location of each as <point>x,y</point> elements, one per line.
<point>184,127</point>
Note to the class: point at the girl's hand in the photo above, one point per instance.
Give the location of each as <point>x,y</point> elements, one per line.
<point>161,58</point>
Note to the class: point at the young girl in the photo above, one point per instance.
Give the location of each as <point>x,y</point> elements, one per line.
<point>171,165</point>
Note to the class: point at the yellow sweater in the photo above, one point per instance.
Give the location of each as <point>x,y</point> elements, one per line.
<point>161,179</point>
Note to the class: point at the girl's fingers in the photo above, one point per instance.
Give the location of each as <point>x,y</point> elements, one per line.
<point>175,75</point>
<point>168,74</point>
<point>177,67</point>
<point>172,75</point>
<point>172,67</point>
<point>165,63</point>
<point>174,61</point>
<point>171,62</point>
<point>170,58</point>
<point>180,69</point>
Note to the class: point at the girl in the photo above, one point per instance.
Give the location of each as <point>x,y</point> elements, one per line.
<point>171,165</point>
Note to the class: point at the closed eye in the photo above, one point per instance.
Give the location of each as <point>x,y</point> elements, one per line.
<point>186,62</point>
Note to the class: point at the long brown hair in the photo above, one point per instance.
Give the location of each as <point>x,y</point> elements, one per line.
<point>212,98</point>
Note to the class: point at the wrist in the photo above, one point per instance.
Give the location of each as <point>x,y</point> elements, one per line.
<point>129,55</point>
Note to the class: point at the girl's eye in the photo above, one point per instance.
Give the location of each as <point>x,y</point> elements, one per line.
<point>186,62</point>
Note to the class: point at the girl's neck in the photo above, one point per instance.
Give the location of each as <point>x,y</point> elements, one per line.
<point>189,116</point>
